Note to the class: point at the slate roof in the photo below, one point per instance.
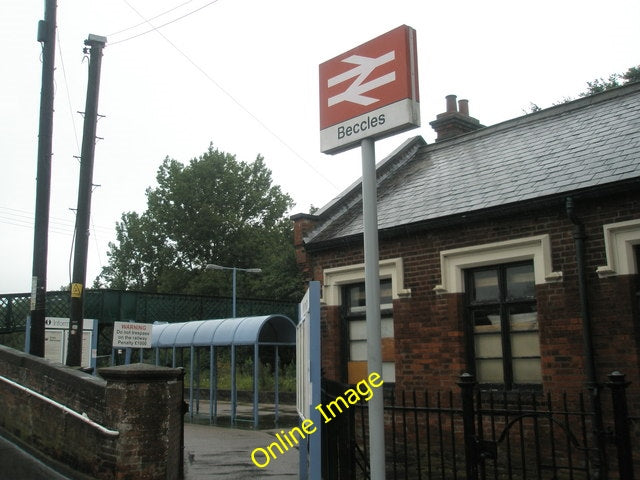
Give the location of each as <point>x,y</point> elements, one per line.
<point>584,144</point>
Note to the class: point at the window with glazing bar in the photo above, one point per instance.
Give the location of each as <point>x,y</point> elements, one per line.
<point>502,333</point>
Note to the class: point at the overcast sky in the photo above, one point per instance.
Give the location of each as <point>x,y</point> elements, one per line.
<point>243,75</point>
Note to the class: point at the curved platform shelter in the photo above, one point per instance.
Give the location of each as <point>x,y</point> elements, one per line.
<point>270,330</point>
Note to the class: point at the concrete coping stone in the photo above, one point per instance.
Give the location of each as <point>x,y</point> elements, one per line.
<point>140,373</point>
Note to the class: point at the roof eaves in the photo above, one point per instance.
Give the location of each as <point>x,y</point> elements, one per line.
<point>353,194</point>
<point>484,214</point>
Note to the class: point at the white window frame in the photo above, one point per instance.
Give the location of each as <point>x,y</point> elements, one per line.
<point>454,262</point>
<point>619,241</point>
<point>336,278</point>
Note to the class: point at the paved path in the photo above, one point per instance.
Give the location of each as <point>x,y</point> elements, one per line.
<point>220,452</point>
<point>16,464</point>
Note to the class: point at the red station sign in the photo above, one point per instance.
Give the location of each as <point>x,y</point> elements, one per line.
<point>370,91</point>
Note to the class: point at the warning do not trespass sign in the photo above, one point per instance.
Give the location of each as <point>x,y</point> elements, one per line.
<point>132,335</point>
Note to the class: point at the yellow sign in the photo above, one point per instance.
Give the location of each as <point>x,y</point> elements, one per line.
<point>76,290</point>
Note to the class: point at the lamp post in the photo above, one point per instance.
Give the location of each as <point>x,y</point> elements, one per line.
<point>212,266</point>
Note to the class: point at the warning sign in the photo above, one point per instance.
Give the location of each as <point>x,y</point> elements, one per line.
<point>76,290</point>
<point>132,335</point>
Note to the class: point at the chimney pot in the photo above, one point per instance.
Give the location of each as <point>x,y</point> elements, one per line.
<point>463,107</point>
<point>451,104</point>
<point>453,122</point>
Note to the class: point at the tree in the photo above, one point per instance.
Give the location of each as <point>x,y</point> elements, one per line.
<point>598,85</point>
<point>615,80</point>
<point>213,210</point>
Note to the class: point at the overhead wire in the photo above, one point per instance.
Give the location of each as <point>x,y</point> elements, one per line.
<point>224,91</point>
<point>155,28</point>
<point>66,84</point>
<point>27,222</point>
<point>24,218</point>
<point>95,236</point>
<point>152,18</point>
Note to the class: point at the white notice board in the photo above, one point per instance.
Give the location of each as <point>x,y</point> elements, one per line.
<point>132,335</point>
<point>56,339</point>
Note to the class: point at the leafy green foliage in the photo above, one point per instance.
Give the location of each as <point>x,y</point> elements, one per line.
<point>598,85</point>
<point>632,75</point>
<point>615,80</point>
<point>215,210</point>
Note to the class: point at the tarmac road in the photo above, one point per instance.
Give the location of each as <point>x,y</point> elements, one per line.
<point>210,453</point>
<point>219,452</point>
<point>16,464</point>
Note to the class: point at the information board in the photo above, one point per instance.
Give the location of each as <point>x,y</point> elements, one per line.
<point>56,338</point>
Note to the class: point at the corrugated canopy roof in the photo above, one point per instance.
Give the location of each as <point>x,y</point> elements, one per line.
<point>270,329</point>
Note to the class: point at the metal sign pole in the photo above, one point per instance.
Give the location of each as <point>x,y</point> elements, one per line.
<point>353,107</point>
<point>372,293</point>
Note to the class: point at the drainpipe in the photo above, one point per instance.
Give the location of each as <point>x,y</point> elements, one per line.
<point>579,237</point>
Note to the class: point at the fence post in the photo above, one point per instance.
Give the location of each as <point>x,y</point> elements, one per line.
<point>618,387</point>
<point>467,384</point>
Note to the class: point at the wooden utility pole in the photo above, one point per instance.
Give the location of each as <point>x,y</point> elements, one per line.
<point>47,37</point>
<point>95,44</point>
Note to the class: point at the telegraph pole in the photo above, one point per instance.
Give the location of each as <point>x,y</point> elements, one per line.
<point>95,44</point>
<point>46,36</point>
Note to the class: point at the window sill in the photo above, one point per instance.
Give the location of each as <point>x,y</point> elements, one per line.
<point>385,312</point>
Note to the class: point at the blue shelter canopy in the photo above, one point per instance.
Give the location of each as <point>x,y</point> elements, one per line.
<point>270,330</point>
<point>266,330</point>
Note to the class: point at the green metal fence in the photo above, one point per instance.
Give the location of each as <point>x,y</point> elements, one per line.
<point>108,306</point>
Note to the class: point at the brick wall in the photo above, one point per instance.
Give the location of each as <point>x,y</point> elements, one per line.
<point>333,351</point>
<point>141,402</point>
<point>429,333</point>
<point>144,403</point>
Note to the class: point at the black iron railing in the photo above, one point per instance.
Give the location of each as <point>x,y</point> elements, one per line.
<point>489,435</point>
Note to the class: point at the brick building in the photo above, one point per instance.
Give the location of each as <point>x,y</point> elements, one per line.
<point>509,251</point>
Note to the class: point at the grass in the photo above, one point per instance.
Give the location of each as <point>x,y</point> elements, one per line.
<point>244,368</point>
<point>244,378</point>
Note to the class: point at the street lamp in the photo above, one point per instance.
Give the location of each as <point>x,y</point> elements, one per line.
<point>212,266</point>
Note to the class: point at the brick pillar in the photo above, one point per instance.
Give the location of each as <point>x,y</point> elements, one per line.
<point>144,403</point>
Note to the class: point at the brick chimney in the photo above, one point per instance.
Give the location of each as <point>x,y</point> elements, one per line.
<point>455,121</point>
<point>303,223</point>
